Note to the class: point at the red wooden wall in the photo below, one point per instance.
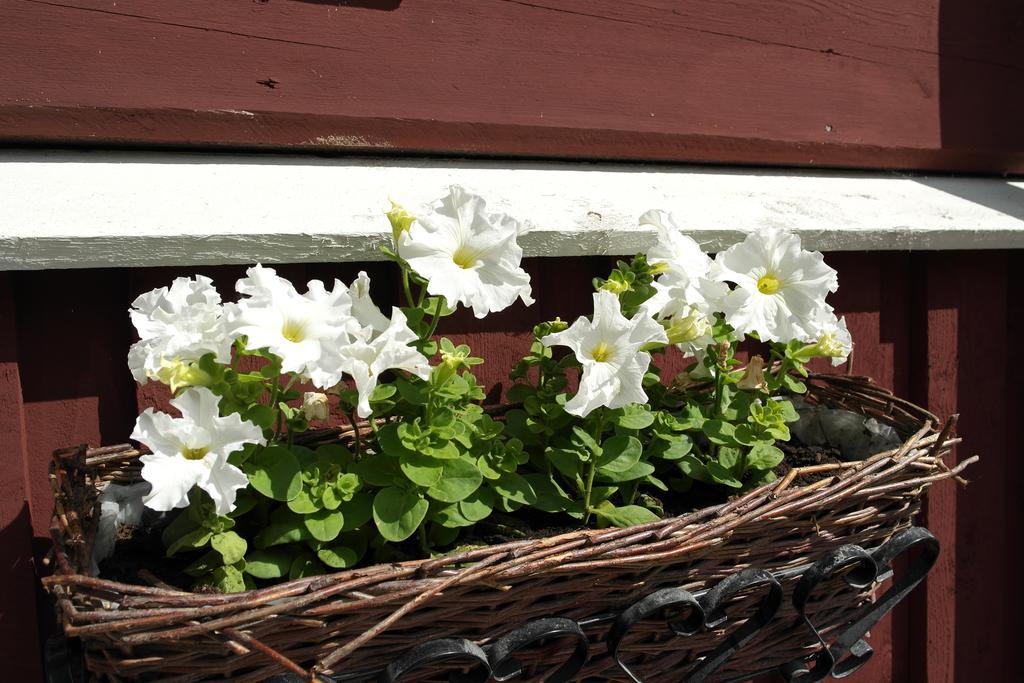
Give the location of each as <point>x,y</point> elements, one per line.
<point>925,84</point>
<point>937,327</point>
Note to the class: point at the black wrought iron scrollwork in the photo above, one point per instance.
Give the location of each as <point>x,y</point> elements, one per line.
<point>442,650</point>
<point>656,604</point>
<point>506,667</point>
<point>686,614</point>
<point>714,608</point>
<point>849,651</point>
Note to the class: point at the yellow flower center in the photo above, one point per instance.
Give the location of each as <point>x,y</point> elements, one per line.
<point>768,284</point>
<point>602,352</point>
<point>194,453</point>
<point>293,331</point>
<point>465,257</point>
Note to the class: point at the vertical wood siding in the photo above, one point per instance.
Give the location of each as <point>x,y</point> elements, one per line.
<point>936,327</point>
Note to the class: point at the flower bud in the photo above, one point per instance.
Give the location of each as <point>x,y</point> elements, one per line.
<point>558,325</point>
<point>315,406</point>
<point>178,374</point>
<point>400,220</point>
<point>753,377</point>
<point>615,286</point>
<point>687,328</point>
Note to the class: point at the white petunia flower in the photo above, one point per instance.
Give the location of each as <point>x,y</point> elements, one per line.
<point>368,355</point>
<point>467,255</point>
<point>779,286</point>
<point>177,324</point>
<point>686,298</point>
<point>304,330</point>
<point>363,308</point>
<point>830,336</point>
<point>688,327</point>
<point>192,450</point>
<point>609,348</point>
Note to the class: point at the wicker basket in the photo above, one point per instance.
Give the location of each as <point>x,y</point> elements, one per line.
<point>379,621</point>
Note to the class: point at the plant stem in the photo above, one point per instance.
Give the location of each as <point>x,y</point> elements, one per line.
<point>355,431</point>
<point>423,540</point>
<point>435,318</point>
<point>405,286</point>
<point>592,470</point>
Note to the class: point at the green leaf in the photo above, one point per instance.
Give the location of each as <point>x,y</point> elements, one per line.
<point>670,446</point>
<point>274,472</point>
<point>634,416</point>
<point>550,497</point>
<point>415,392</point>
<point>193,539</point>
<point>459,480</point>
<point>230,545</point>
<point>721,475</point>
<point>692,467</point>
<point>619,453</point>
<point>744,435</point>
<point>304,565</point>
<point>729,458</point>
<point>627,515</point>
<point>515,488</point>
<point>565,461</point>
<point>398,513</point>
<point>449,515</point>
<point>228,579</point>
<point>379,470</point>
<point>586,440</point>
<point>303,504</point>
<point>324,525</point>
<point>334,454</point>
<point>269,564</point>
<point>205,564</point>
<point>338,556</point>
<point>787,411</point>
<point>390,441</point>
<point>720,432</point>
<point>764,457</point>
<point>261,415</point>
<point>639,470</point>
<point>357,511</point>
<point>422,470</point>
<point>446,451</point>
<point>280,533</point>
<point>181,525</point>
<point>477,505</point>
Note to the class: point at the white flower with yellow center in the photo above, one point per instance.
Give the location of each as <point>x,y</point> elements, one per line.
<point>192,450</point>
<point>177,324</point>
<point>779,287</point>
<point>304,330</point>
<point>467,255</point>
<point>609,349</point>
<point>684,278</point>
<point>369,354</point>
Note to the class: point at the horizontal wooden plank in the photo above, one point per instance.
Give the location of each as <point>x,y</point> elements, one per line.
<point>822,82</point>
<point>79,210</point>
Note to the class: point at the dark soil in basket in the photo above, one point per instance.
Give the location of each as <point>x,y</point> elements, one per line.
<point>141,548</point>
<point>798,455</point>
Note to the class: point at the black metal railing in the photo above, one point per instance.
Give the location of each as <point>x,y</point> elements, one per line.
<point>690,614</point>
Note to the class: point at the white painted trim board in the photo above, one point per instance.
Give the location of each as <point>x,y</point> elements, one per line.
<point>68,209</point>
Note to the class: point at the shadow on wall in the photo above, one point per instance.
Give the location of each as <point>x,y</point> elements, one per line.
<point>18,609</point>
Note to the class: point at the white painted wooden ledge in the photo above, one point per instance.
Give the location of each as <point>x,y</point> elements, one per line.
<point>89,209</point>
